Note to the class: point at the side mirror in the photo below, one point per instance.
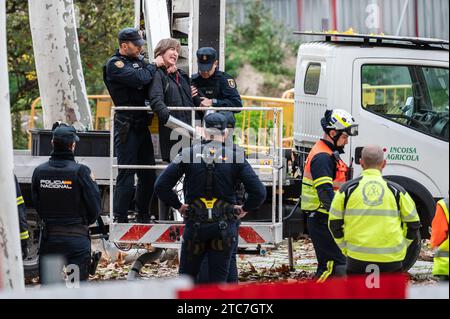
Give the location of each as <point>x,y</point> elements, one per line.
<point>408,108</point>
<point>358,155</point>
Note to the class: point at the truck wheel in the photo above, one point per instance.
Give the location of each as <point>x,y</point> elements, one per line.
<point>31,262</point>
<point>425,205</point>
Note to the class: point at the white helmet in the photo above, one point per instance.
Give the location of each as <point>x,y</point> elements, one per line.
<point>339,120</point>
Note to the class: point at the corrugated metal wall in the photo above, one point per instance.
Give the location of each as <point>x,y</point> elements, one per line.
<point>423,18</point>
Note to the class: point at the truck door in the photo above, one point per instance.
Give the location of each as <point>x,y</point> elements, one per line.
<point>403,106</point>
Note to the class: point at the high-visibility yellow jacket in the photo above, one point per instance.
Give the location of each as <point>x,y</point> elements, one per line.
<point>366,218</point>
<point>310,197</point>
<point>24,235</point>
<point>440,267</point>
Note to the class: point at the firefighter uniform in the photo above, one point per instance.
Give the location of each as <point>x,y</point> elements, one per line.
<point>366,219</point>
<point>439,239</point>
<point>23,225</point>
<point>211,173</point>
<point>323,174</point>
<point>127,80</point>
<point>67,199</point>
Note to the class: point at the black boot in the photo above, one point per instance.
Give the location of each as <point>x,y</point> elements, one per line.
<point>143,219</point>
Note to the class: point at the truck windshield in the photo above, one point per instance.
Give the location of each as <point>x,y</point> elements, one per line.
<point>414,96</point>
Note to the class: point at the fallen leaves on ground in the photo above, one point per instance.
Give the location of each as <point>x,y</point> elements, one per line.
<point>272,274</point>
<point>426,253</point>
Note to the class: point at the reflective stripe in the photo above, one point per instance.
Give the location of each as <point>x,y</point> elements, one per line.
<point>341,120</point>
<point>411,216</point>
<point>376,251</point>
<point>336,213</point>
<point>322,180</point>
<point>20,200</point>
<point>372,212</point>
<point>322,183</point>
<point>327,272</point>
<point>24,235</point>
<point>342,245</point>
<point>441,254</point>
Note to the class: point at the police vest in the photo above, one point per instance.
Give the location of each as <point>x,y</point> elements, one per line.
<point>310,197</point>
<point>440,266</point>
<point>210,208</point>
<point>210,87</point>
<point>60,192</point>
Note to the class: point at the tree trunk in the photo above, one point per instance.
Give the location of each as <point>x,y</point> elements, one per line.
<point>11,266</point>
<point>58,63</point>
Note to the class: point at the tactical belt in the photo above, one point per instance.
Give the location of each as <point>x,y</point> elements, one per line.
<point>136,122</point>
<point>210,210</point>
<point>69,230</point>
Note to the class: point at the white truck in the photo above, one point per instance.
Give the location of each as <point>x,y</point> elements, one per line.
<point>397,89</point>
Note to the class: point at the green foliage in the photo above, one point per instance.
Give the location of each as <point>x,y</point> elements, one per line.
<point>257,41</point>
<point>99,22</point>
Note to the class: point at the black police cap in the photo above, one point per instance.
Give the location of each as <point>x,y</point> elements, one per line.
<point>206,58</point>
<point>65,133</point>
<point>216,120</point>
<point>132,35</point>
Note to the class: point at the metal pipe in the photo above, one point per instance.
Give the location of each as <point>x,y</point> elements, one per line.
<point>280,169</point>
<point>11,265</point>
<point>189,108</point>
<point>111,163</point>
<point>291,254</point>
<point>161,167</point>
<point>402,17</point>
<point>274,165</point>
<point>334,12</point>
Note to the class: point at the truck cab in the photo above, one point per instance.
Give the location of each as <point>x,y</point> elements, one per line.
<point>397,90</point>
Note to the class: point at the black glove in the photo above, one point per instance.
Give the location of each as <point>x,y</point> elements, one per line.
<point>24,244</point>
<point>163,115</point>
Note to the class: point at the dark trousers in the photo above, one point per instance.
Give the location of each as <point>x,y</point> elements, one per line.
<point>75,250</point>
<point>233,276</point>
<point>324,245</point>
<point>198,243</point>
<point>359,267</point>
<point>135,149</point>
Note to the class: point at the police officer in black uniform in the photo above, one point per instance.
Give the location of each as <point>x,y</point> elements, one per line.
<point>127,76</point>
<point>233,275</point>
<point>215,88</point>
<point>211,211</point>
<point>67,199</point>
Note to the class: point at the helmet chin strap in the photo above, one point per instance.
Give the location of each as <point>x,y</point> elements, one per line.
<point>335,140</point>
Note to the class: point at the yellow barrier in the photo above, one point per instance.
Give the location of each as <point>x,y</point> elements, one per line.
<point>244,120</point>
<point>399,93</point>
<point>261,122</point>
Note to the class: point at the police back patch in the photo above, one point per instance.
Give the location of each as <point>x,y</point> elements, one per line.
<point>119,64</point>
<point>231,83</point>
